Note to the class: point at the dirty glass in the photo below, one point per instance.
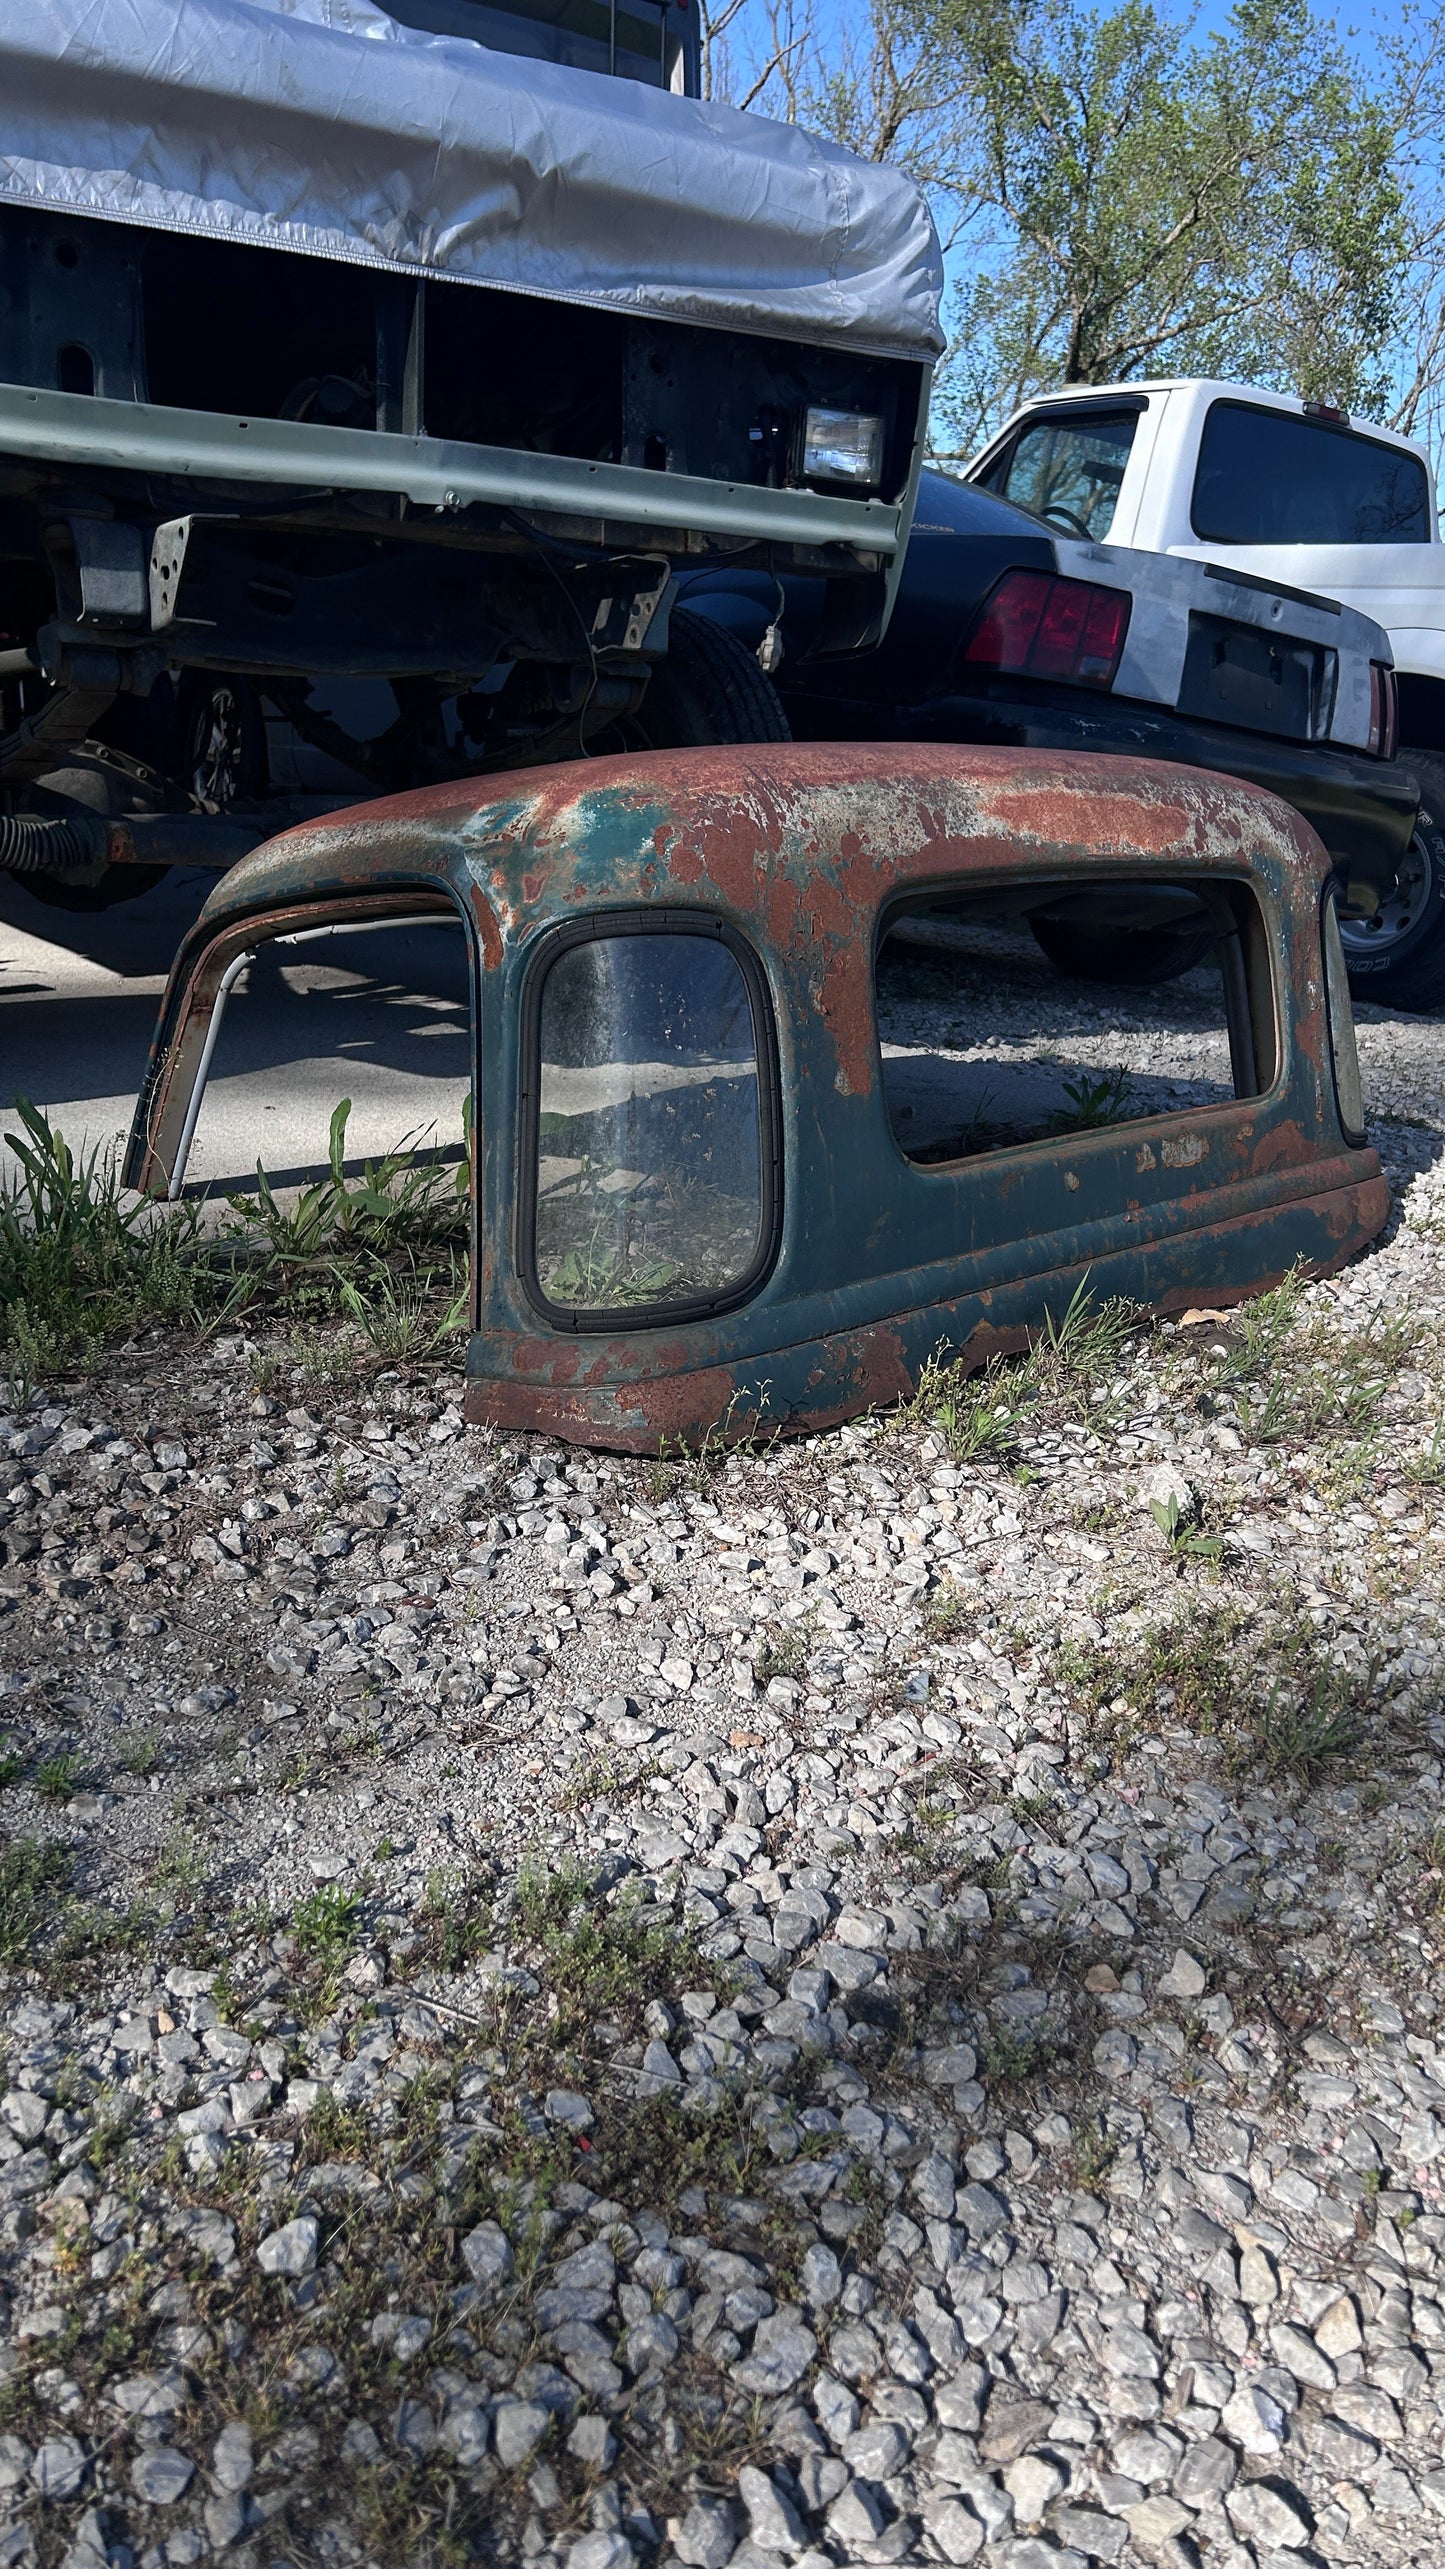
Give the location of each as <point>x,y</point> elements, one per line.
<point>1002,1024</point>
<point>1068,471</point>
<point>649,1173</point>
<point>1269,477</point>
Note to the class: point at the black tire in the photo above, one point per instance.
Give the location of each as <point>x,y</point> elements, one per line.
<point>708,689</point>
<point>113,884</point>
<point>1132,958</point>
<point>1397,959</point>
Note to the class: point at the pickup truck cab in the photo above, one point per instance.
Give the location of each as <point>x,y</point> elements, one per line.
<point>1286,491</point>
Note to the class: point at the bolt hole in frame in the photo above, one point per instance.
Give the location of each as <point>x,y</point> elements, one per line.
<point>649,1258</point>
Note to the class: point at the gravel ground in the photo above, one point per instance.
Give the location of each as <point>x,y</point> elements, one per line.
<point>872,2002</point>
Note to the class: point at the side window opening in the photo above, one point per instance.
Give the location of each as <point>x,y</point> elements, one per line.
<point>1068,471</point>
<point>377,1011</point>
<point>649,1117</point>
<point>1033,1011</point>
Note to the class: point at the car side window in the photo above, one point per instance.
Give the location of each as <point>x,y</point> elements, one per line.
<point>1068,471</point>
<point>1271,477</point>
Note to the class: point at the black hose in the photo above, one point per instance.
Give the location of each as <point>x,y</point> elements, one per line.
<point>33,844</point>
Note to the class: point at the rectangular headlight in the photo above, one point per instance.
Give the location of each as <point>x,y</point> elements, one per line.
<point>842,446</point>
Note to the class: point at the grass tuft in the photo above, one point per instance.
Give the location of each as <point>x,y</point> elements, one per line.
<point>33,1876</point>
<point>1264,1688</point>
<point>82,1265</point>
<point>1066,1374</point>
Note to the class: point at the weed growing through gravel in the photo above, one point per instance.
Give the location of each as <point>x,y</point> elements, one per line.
<point>599,1957</point>
<point>326,1924</point>
<point>79,1266</point>
<point>1106,1099</point>
<point>1185,1540</point>
<point>1067,1373</point>
<point>82,1266</point>
<point>55,1778</point>
<point>1289,1370</point>
<point>1264,1688</point>
<point>33,1874</point>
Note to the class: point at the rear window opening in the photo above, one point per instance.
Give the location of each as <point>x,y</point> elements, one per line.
<point>1270,477</point>
<point>650,1114</point>
<point>991,1040</point>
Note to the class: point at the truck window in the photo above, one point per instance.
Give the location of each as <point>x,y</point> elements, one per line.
<point>1067,470</point>
<point>647,40</point>
<point>1270,477</point>
<point>652,1181</point>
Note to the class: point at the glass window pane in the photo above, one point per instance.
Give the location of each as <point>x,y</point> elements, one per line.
<point>649,1147</point>
<point>1269,477</point>
<point>1069,470</point>
<point>1343,1053</point>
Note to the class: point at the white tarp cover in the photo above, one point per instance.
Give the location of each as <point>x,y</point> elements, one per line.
<point>325,126</point>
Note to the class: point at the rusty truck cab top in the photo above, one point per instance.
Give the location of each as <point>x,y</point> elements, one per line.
<point>716,1183</point>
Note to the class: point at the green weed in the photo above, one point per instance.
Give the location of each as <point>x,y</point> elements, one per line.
<point>1065,1374</point>
<point>79,1266</point>
<point>325,1923</point>
<point>33,1874</point>
<point>1265,1690</point>
<point>1106,1099</point>
<point>1184,1538</point>
<point>599,1957</point>
<point>56,1777</point>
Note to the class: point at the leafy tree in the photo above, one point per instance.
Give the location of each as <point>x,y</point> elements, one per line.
<point>1121,197</point>
<point>1163,206</point>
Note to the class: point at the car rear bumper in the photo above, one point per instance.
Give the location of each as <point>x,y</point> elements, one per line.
<point>1362,809</point>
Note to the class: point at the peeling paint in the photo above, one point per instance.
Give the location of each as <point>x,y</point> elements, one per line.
<point>801,849</point>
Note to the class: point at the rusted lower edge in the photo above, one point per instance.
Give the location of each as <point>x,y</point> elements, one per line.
<point>795,1391</point>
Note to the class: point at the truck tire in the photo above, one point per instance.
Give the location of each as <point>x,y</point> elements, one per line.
<point>1397,959</point>
<point>1132,958</point>
<point>708,689</point>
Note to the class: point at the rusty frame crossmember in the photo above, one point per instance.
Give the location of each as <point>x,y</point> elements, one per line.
<point>803,851</point>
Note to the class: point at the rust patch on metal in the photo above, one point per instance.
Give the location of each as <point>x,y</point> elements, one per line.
<point>488,933</point>
<point>803,849</point>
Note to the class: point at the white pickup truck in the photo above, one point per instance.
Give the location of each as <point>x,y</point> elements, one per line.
<point>1291,491</point>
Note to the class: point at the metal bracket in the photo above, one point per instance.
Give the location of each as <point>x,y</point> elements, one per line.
<point>635,619</point>
<point>168,556</point>
<point>110,565</point>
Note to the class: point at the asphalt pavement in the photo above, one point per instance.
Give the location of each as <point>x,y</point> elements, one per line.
<point>380,1017</point>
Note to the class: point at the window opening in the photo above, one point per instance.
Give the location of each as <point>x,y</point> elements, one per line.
<point>1344,1053</point>
<point>1270,477</point>
<point>1035,1010</point>
<point>633,38</point>
<point>374,1010</point>
<point>648,1125</point>
<point>1068,471</point>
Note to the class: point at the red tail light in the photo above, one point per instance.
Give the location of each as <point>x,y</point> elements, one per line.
<point>1047,628</point>
<point>1384,710</point>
